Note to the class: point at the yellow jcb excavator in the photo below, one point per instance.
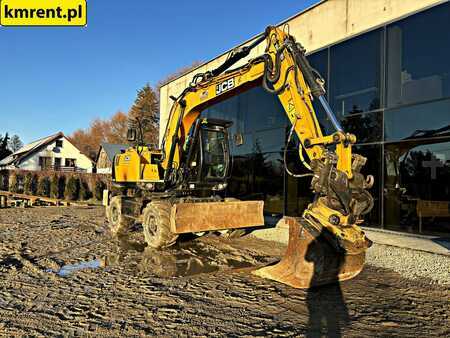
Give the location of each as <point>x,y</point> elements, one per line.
<point>179,188</point>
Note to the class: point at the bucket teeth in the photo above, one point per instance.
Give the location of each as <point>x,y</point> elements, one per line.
<point>310,260</point>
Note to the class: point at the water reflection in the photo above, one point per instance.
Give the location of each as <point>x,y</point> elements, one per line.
<point>188,259</point>
<point>175,263</point>
<point>69,269</point>
<point>183,259</point>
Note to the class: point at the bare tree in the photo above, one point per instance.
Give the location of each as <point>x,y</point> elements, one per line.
<point>15,143</point>
<point>178,73</point>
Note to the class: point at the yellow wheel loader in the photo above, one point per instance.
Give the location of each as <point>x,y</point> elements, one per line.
<point>180,187</point>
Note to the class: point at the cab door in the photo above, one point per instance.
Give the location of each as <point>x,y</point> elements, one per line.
<point>215,153</point>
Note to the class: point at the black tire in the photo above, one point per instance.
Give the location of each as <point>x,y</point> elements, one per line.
<point>117,221</point>
<point>156,225</point>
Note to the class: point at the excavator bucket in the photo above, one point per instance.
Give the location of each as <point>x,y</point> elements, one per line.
<point>311,260</point>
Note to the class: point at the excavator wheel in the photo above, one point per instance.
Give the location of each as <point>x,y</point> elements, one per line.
<point>311,260</point>
<point>116,220</point>
<point>156,225</point>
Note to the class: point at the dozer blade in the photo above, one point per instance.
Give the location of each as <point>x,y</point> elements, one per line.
<point>208,216</point>
<point>310,260</point>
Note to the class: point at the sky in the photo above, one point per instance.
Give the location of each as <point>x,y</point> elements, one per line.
<point>61,78</point>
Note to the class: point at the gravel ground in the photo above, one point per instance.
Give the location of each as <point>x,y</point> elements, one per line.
<point>411,263</point>
<point>62,275</point>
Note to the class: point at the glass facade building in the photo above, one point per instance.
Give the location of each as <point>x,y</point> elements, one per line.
<point>391,88</point>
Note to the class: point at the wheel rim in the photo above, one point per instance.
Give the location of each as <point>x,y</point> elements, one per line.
<point>114,215</point>
<point>151,225</point>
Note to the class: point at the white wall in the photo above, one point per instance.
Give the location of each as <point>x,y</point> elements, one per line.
<point>68,150</point>
<point>104,170</point>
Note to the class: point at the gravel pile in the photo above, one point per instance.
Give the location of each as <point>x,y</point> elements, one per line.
<point>411,263</point>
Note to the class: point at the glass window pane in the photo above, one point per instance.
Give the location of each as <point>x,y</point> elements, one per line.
<point>226,110</point>
<point>259,176</point>
<point>257,170</point>
<point>261,110</point>
<point>417,186</point>
<point>355,74</point>
<point>240,185</point>
<point>418,53</point>
<point>271,140</point>
<point>319,61</point>
<point>418,121</point>
<point>373,167</point>
<point>252,111</point>
<point>367,127</point>
<point>298,190</point>
<point>213,154</point>
<point>242,149</point>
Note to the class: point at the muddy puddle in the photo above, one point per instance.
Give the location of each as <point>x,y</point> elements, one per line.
<point>188,260</point>
<point>182,260</point>
<point>69,269</point>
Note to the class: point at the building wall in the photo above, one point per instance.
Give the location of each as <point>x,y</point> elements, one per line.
<point>68,150</point>
<point>323,24</point>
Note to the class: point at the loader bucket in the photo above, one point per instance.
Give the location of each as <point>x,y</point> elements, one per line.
<point>310,260</point>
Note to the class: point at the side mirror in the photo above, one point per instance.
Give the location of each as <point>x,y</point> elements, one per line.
<point>131,135</point>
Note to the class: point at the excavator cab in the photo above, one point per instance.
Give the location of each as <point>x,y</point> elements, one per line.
<point>208,160</point>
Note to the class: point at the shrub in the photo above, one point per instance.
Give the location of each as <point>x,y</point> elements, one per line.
<point>30,184</point>
<point>4,180</point>
<point>20,179</point>
<point>85,192</point>
<point>14,182</point>
<point>72,190</point>
<point>58,186</point>
<point>54,187</point>
<point>61,186</point>
<point>44,186</point>
<point>27,183</point>
<point>99,187</point>
<point>34,184</point>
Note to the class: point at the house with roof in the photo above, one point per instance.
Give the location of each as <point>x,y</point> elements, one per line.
<point>55,152</point>
<point>105,156</point>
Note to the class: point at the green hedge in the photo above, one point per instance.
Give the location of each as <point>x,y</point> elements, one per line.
<point>44,186</point>
<point>30,184</point>
<point>68,186</point>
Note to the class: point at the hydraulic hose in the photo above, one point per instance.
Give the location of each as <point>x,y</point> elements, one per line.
<point>336,124</point>
<point>302,159</point>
